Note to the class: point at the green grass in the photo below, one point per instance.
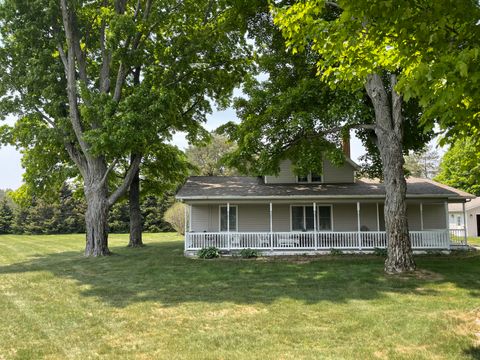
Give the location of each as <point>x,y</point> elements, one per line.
<point>474,241</point>
<point>153,303</point>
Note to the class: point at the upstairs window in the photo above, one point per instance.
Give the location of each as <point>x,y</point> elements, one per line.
<point>310,178</point>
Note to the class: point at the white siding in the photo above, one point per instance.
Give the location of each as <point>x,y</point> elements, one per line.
<point>201,218</point>
<point>472,221</point>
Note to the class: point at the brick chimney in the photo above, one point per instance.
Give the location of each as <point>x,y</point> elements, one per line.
<point>346,145</point>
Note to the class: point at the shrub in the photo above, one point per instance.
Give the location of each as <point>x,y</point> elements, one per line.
<point>208,253</point>
<point>336,252</point>
<point>380,252</point>
<point>175,216</point>
<point>248,253</point>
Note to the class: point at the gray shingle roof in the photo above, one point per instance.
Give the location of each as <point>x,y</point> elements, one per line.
<point>238,187</point>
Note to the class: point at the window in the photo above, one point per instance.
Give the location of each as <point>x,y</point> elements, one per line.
<point>223,218</point>
<point>459,221</point>
<point>303,218</point>
<point>310,178</point>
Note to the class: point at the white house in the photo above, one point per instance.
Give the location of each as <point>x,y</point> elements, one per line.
<point>289,213</point>
<point>457,214</point>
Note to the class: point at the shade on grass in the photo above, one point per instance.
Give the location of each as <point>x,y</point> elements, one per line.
<point>154,303</point>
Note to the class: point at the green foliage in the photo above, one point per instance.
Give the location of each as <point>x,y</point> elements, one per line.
<point>175,216</point>
<point>248,253</point>
<point>460,166</point>
<point>380,252</point>
<point>423,164</point>
<point>208,158</point>
<point>208,253</point>
<point>336,252</point>
<point>6,217</point>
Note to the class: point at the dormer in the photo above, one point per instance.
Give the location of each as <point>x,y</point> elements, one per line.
<point>332,174</point>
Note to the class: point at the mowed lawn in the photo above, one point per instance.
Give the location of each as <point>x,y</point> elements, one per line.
<point>153,303</point>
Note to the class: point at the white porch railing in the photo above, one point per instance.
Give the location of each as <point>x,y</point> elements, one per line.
<point>354,240</point>
<point>458,236</point>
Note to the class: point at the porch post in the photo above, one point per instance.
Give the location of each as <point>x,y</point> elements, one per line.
<point>464,223</point>
<point>271,228</point>
<point>186,233</point>
<point>190,220</point>
<point>447,231</point>
<point>358,227</point>
<point>228,226</point>
<point>378,219</point>
<point>421,216</point>
<point>315,225</point>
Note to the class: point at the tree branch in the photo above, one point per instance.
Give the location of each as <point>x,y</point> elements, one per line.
<point>134,166</point>
<point>105,176</point>
<point>70,73</point>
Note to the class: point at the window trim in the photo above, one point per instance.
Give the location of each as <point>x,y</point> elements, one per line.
<point>220,218</point>
<point>316,214</point>
<point>309,179</point>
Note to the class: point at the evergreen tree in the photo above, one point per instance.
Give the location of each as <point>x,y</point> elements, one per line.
<point>6,217</point>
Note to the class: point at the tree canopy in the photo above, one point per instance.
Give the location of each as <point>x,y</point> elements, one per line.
<point>460,166</point>
<point>98,83</point>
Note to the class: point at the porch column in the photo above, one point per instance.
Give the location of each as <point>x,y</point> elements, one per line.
<point>421,216</point>
<point>190,220</point>
<point>228,226</point>
<point>358,227</point>
<point>186,233</point>
<point>271,228</point>
<point>464,223</point>
<point>378,218</point>
<point>447,231</point>
<point>315,225</point>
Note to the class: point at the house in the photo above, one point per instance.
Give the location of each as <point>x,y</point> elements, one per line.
<point>286,213</point>
<point>456,216</point>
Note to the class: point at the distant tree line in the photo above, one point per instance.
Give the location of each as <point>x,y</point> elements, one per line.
<point>66,214</point>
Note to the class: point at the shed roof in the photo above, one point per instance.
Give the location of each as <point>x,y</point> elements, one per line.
<point>474,203</point>
<point>241,187</point>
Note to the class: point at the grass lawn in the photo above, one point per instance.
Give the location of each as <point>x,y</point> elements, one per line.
<point>474,241</point>
<point>153,303</point>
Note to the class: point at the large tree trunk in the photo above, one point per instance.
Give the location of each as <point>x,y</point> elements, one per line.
<point>135,214</point>
<point>389,131</point>
<point>96,219</point>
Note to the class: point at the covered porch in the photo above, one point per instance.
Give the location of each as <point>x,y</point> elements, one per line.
<point>305,226</point>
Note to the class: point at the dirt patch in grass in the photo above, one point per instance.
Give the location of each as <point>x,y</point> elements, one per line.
<point>420,274</point>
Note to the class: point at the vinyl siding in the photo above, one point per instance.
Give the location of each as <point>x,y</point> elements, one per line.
<point>345,217</point>
<point>331,174</point>
<point>338,174</point>
<point>413,215</point>
<point>285,176</point>
<point>434,216</point>
<point>368,216</point>
<point>281,217</point>
<point>201,218</point>
<point>252,217</point>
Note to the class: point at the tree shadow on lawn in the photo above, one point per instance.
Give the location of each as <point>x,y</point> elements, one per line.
<point>160,273</point>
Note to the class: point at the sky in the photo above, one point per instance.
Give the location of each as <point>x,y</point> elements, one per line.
<point>10,158</point>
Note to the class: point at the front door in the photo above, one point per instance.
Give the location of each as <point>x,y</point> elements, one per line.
<point>478,224</point>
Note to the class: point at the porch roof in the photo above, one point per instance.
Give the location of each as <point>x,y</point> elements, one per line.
<point>242,187</point>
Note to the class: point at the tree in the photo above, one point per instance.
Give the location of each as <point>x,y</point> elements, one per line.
<point>353,58</point>
<point>97,83</point>
<point>423,164</point>
<point>460,166</point>
<point>208,159</point>
<point>6,217</point>
<point>175,216</point>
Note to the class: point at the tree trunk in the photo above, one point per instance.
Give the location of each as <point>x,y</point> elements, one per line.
<point>389,131</point>
<point>135,214</point>
<point>96,219</point>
